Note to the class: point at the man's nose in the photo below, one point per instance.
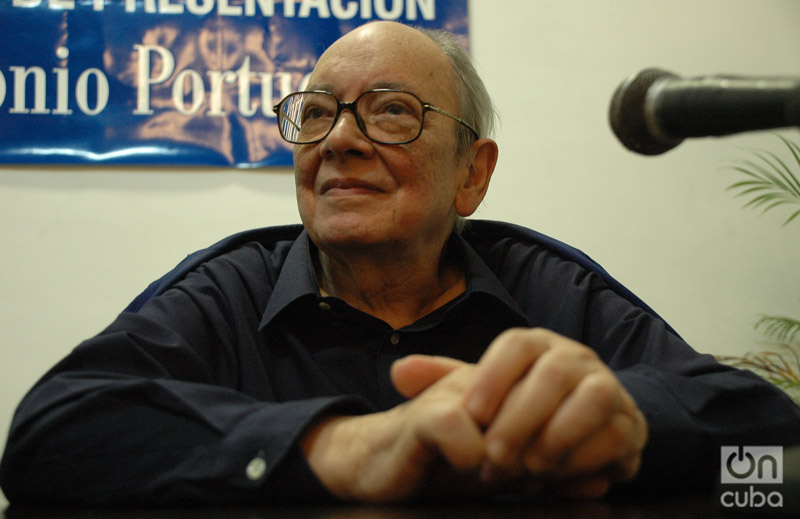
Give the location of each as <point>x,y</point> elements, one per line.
<point>346,136</point>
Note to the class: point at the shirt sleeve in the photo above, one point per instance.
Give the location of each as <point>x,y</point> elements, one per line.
<point>693,404</point>
<point>168,405</point>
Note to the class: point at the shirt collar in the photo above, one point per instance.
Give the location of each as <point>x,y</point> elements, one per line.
<point>298,279</point>
<point>481,279</point>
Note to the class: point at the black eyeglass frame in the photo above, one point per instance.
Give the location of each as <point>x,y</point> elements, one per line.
<point>341,106</point>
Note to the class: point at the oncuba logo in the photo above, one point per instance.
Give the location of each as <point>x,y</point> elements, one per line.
<point>741,465</point>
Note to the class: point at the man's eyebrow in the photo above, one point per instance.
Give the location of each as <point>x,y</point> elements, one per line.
<point>391,85</point>
<point>321,86</point>
<point>328,87</point>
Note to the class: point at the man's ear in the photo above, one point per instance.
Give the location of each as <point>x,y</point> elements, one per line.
<point>479,172</point>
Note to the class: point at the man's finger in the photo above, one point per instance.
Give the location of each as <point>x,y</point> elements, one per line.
<point>616,449</point>
<point>535,399</point>
<point>414,374</point>
<point>503,364</point>
<point>454,434</point>
<point>587,409</point>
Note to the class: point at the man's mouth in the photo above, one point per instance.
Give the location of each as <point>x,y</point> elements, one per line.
<point>349,186</point>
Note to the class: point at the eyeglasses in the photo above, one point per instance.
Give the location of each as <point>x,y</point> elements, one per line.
<point>385,116</point>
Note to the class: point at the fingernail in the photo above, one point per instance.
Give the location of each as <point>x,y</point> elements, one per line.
<point>497,451</point>
<point>475,404</point>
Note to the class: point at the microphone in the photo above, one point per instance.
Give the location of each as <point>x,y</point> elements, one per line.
<point>654,110</point>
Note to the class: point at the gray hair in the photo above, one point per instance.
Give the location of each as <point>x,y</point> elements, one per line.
<point>475,105</point>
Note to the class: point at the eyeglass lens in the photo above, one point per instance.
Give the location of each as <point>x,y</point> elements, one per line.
<point>387,117</point>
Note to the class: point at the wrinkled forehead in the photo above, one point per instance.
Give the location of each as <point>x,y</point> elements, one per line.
<point>386,55</point>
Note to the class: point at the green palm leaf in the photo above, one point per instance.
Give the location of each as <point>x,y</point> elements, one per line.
<point>780,329</point>
<point>769,182</point>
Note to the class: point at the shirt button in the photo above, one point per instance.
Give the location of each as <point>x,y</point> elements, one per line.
<point>256,468</point>
<point>395,339</point>
<point>324,306</point>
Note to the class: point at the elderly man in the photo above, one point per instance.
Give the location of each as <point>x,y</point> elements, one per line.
<point>377,353</point>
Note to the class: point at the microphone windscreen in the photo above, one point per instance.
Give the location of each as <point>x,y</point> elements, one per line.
<point>628,116</point>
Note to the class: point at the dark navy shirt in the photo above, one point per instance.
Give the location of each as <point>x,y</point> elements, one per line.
<point>201,390</point>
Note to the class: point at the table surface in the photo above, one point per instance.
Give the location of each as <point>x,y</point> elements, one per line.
<point>702,506</point>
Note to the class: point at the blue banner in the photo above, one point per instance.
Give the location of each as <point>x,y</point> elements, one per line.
<point>170,82</point>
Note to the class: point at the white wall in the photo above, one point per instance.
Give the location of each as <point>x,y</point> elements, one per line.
<point>78,244</point>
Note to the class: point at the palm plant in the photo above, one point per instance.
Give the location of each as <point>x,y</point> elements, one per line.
<point>769,182</point>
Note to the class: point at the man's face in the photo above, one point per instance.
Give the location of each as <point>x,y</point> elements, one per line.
<point>355,193</point>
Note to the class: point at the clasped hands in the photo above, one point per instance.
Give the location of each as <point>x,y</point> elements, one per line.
<point>538,412</point>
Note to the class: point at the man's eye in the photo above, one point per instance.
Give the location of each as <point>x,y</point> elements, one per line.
<point>314,112</point>
<point>396,109</point>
